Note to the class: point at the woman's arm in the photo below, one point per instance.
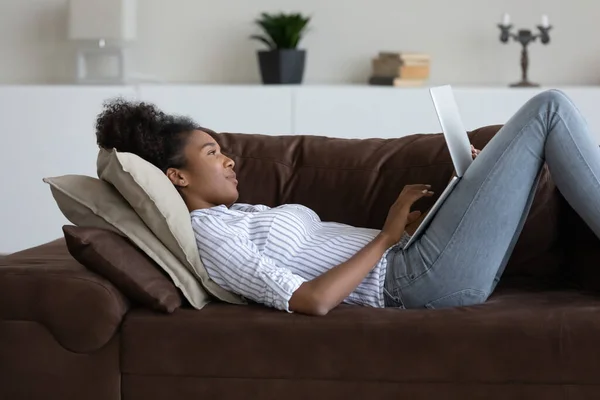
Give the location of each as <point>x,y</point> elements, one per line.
<point>234,262</point>
<point>320,295</point>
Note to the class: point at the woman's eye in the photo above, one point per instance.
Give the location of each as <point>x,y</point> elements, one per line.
<point>212,152</point>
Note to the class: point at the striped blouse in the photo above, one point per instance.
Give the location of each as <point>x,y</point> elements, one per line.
<point>264,254</point>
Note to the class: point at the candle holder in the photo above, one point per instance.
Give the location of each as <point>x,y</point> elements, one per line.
<point>524,36</point>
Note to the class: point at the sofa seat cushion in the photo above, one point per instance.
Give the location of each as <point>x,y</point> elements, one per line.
<point>530,336</point>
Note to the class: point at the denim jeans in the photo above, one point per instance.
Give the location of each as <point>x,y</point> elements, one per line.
<point>462,254</point>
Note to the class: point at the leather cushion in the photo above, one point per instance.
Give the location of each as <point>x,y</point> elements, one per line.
<point>128,268</point>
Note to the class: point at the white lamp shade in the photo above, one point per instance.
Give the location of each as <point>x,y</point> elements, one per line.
<point>103,19</point>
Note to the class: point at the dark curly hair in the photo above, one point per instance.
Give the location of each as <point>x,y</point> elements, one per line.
<point>141,128</point>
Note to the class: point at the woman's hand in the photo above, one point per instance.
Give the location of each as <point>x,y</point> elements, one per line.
<point>415,218</point>
<point>399,214</point>
<point>412,217</point>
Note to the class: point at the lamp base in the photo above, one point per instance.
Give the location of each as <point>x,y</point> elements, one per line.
<point>524,84</point>
<point>102,65</point>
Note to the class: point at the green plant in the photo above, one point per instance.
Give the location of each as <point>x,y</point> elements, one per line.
<point>281,31</point>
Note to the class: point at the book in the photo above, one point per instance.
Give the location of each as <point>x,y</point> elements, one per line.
<point>393,81</point>
<point>406,71</point>
<point>406,56</point>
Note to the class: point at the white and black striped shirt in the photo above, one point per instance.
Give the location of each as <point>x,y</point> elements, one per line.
<point>264,254</point>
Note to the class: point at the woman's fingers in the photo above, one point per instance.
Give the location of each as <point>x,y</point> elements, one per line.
<point>420,187</point>
<point>424,193</point>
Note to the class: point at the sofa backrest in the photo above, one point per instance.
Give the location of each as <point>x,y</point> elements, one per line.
<point>355,181</point>
<point>581,249</point>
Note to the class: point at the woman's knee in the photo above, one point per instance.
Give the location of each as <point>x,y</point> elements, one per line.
<point>551,99</point>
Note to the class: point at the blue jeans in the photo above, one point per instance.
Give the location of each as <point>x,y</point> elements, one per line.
<point>462,254</point>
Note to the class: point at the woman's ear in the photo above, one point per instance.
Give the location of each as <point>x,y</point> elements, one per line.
<point>177,178</point>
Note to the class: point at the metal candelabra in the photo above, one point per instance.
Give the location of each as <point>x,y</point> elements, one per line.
<point>524,36</point>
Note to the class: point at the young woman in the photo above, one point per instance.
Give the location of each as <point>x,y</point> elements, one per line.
<point>287,258</point>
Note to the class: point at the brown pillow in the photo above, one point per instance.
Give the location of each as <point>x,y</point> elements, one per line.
<point>114,257</point>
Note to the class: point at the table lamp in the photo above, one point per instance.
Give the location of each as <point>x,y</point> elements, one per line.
<point>102,30</point>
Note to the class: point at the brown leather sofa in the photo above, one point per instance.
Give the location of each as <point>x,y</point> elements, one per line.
<point>67,333</point>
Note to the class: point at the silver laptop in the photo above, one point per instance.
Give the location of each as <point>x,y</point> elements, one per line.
<point>458,145</point>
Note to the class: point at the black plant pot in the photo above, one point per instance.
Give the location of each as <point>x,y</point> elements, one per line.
<point>282,66</point>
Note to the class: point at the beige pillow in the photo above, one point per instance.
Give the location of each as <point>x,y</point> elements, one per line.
<point>90,202</point>
<point>161,207</point>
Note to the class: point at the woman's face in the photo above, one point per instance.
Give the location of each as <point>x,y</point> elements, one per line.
<point>208,178</point>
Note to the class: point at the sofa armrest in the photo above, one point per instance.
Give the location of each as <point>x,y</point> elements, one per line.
<point>80,309</point>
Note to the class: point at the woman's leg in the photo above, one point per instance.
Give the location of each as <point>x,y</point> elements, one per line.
<point>460,257</point>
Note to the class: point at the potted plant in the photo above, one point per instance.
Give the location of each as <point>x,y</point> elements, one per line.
<point>283,62</point>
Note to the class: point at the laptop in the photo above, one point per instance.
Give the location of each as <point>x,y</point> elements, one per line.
<point>458,145</point>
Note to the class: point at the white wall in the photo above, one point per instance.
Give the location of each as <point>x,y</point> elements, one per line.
<point>44,131</point>
<point>206,40</point>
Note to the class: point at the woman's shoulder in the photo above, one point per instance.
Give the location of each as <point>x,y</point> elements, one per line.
<point>237,208</point>
<point>249,207</point>
<point>234,210</point>
<point>286,207</point>
<point>211,211</point>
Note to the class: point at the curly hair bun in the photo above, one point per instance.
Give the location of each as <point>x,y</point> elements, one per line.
<point>141,128</point>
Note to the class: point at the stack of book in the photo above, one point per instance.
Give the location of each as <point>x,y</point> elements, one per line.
<point>400,69</point>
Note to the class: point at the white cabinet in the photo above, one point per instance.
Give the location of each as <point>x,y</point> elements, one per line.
<point>361,111</point>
